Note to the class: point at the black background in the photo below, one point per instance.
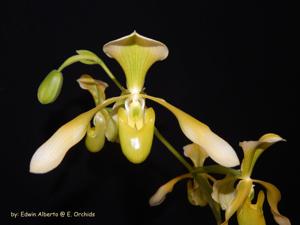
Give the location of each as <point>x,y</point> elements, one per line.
<point>228,66</point>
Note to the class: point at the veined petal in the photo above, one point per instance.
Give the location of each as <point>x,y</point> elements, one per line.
<point>273,197</point>
<point>253,149</point>
<point>161,193</point>
<point>136,143</point>
<point>217,148</point>
<point>195,153</point>
<point>50,154</point>
<point>136,54</point>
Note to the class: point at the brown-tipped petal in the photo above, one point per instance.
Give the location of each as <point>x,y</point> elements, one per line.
<point>161,193</point>
<point>273,197</point>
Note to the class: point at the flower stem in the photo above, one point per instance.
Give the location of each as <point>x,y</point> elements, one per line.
<point>110,74</point>
<point>94,59</point>
<point>173,150</point>
<point>217,169</point>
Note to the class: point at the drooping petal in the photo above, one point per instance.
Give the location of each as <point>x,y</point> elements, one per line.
<point>242,192</point>
<point>161,193</point>
<point>253,149</point>
<point>50,154</point>
<point>217,148</point>
<point>224,191</point>
<point>273,197</point>
<point>136,143</point>
<point>195,153</point>
<point>136,53</point>
<point>250,214</point>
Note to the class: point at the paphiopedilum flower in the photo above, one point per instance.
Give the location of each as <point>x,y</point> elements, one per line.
<point>135,54</point>
<point>238,198</point>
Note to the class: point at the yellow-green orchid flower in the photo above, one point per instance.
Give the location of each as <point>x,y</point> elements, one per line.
<point>136,53</point>
<point>236,199</point>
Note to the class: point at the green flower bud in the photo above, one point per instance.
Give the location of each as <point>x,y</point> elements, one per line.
<point>50,87</point>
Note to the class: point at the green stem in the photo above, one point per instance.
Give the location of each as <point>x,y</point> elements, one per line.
<point>109,73</point>
<point>173,150</point>
<point>94,59</point>
<point>217,169</point>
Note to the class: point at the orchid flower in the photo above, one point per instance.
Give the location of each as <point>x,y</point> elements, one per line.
<point>232,197</point>
<point>135,122</point>
<point>238,198</point>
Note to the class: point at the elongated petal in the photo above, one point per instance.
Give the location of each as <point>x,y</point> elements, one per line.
<point>195,153</point>
<point>49,155</point>
<point>253,149</point>
<point>161,193</point>
<point>217,148</point>
<point>136,53</point>
<point>250,214</point>
<point>242,192</point>
<point>136,144</point>
<point>224,191</point>
<point>273,197</point>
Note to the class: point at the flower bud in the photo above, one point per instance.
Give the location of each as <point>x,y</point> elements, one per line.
<point>50,87</point>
